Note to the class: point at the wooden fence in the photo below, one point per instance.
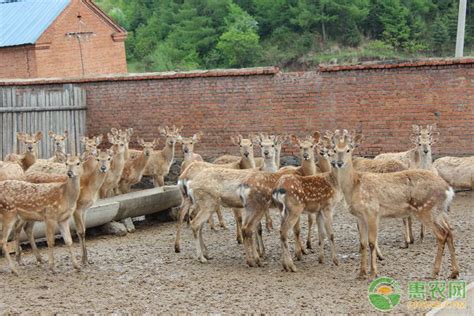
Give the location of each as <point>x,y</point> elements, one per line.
<point>31,109</point>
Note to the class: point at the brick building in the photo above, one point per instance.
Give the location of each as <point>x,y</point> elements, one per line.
<point>58,38</point>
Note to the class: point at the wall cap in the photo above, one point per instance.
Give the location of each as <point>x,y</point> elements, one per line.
<point>145,76</point>
<point>397,64</point>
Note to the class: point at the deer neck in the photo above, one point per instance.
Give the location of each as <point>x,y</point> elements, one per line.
<point>269,165</point>
<point>247,162</point>
<point>308,167</point>
<point>72,191</point>
<point>126,153</point>
<point>345,178</point>
<point>324,164</point>
<point>168,153</point>
<point>29,158</point>
<point>141,161</point>
<point>189,156</point>
<point>118,160</point>
<point>423,161</point>
<point>277,156</point>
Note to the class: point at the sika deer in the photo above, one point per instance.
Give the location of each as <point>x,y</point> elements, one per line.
<point>246,154</point>
<point>11,171</point>
<point>28,158</point>
<point>133,170</point>
<point>53,203</point>
<point>159,164</point>
<point>59,143</point>
<point>116,168</point>
<point>95,168</point>
<point>90,144</point>
<point>125,136</point>
<point>457,171</point>
<point>371,196</point>
<point>188,150</point>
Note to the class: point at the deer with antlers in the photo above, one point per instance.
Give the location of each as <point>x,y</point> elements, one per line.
<point>30,142</point>
<point>125,136</point>
<point>371,196</point>
<point>134,168</point>
<point>53,203</point>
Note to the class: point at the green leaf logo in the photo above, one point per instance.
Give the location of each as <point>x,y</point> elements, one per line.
<point>384,293</point>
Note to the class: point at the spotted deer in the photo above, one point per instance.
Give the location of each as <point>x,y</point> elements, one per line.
<point>29,157</point>
<point>134,168</point>
<point>11,171</point>
<point>59,144</point>
<point>125,136</point>
<point>416,158</point>
<point>52,203</point>
<point>246,154</point>
<point>372,196</point>
<point>113,177</point>
<point>95,168</point>
<point>215,187</point>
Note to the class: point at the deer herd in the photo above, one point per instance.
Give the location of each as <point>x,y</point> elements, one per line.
<point>405,185</point>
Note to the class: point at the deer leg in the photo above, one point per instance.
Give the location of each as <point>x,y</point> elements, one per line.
<point>31,238</point>
<point>299,249</point>
<point>410,230</point>
<point>238,224</point>
<point>221,218</point>
<point>268,220</point>
<point>454,263</point>
<point>362,225</point>
<point>79,216</point>
<point>327,215</point>
<point>310,230</point>
<point>66,234</point>
<point>158,181</point>
<point>320,222</point>
<point>183,210</point>
<point>19,225</point>
<point>406,232</point>
<point>50,227</point>
<point>422,232</point>
<point>210,221</point>
<point>289,220</point>
<point>7,226</point>
<point>372,236</point>
<point>196,225</point>
<point>259,241</point>
<point>253,216</point>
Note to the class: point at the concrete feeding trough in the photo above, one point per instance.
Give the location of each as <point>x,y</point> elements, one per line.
<point>134,204</point>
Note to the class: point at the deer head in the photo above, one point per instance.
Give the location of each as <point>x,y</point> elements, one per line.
<point>30,141</point>
<point>188,142</point>
<point>172,135</point>
<point>423,138</point>
<point>147,146</point>
<point>59,141</point>
<point>306,145</point>
<point>117,142</point>
<point>91,143</point>
<point>343,146</point>
<point>267,144</point>
<point>104,159</point>
<point>245,145</point>
<point>73,166</point>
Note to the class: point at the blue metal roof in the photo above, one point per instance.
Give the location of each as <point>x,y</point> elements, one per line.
<point>22,22</point>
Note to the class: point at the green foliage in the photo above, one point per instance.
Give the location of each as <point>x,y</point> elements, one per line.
<point>191,34</point>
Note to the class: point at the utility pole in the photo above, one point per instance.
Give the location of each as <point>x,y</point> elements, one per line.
<point>461,27</point>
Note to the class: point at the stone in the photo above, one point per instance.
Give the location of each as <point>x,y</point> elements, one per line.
<point>114,228</point>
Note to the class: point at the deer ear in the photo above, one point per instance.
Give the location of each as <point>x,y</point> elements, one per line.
<point>294,140</point>
<point>141,142</point>
<point>66,133</point>
<point>162,131</point>
<point>114,131</point>
<point>51,134</point>
<point>197,137</point>
<point>316,137</point>
<point>20,136</point>
<point>156,141</point>
<point>98,139</point>
<point>357,140</point>
<point>130,132</point>
<point>83,139</point>
<point>234,140</point>
<point>416,129</point>
<point>179,139</point>
<point>110,138</point>
<point>38,136</point>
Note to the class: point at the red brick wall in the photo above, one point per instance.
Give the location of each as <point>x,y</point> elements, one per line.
<point>59,56</point>
<point>382,103</point>
<point>17,62</point>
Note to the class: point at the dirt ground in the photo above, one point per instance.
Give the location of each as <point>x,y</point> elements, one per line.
<point>140,273</point>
